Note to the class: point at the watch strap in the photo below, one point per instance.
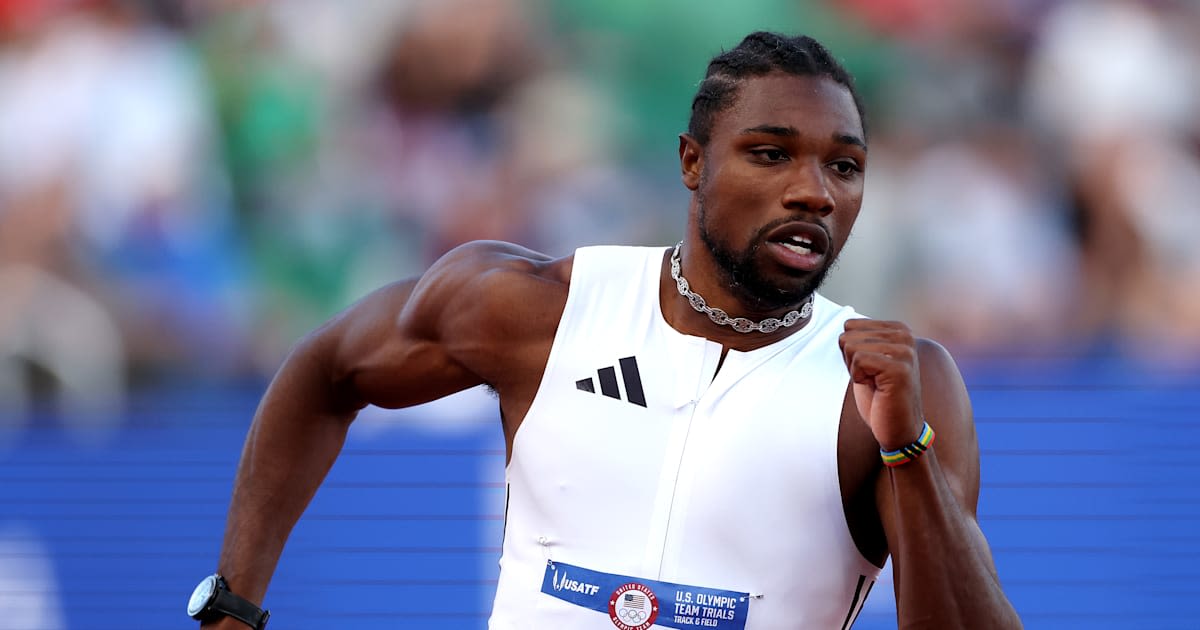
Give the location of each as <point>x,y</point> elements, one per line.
<point>232,605</point>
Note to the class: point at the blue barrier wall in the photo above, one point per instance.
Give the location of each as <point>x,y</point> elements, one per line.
<point>1088,499</point>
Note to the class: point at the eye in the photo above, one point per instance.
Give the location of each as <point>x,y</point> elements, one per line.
<point>769,154</point>
<point>846,168</point>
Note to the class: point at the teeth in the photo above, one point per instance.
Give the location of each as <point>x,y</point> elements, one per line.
<point>800,244</point>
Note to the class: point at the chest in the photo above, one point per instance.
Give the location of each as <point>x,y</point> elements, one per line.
<point>655,423</point>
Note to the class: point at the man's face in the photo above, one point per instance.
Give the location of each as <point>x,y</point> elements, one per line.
<point>779,186</point>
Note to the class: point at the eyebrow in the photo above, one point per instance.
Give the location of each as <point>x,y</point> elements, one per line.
<point>791,132</point>
<point>774,130</point>
<point>847,138</point>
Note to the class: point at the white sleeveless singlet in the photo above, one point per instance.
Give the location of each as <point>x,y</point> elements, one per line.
<point>640,464</point>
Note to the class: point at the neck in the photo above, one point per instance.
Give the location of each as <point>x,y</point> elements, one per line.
<point>687,310</point>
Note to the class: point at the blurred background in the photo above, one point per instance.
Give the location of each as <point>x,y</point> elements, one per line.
<point>188,186</point>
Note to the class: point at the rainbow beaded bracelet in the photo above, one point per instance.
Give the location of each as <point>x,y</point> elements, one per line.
<point>906,454</point>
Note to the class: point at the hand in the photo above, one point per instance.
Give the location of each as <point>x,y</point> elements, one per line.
<point>882,359</point>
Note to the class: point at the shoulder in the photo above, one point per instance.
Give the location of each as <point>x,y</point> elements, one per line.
<point>941,379</point>
<point>498,261</point>
<point>490,305</point>
<point>484,275</point>
<point>934,352</point>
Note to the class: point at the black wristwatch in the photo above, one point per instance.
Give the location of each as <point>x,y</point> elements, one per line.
<point>212,600</point>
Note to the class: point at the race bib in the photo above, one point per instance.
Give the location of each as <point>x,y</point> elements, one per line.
<point>637,604</point>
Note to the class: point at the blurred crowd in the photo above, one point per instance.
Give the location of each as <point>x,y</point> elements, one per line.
<point>187,187</point>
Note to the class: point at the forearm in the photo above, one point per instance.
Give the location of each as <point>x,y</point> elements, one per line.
<point>944,573</point>
<point>297,433</point>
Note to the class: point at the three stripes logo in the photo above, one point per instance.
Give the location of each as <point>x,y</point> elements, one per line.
<point>607,376</point>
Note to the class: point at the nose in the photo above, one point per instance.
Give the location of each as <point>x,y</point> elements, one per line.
<point>808,189</point>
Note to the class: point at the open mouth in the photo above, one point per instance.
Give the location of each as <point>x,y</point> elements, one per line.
<point>802,245</point>
<point>799,245</point>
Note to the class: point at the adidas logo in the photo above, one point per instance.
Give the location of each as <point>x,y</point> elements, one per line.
<point>608,382</point>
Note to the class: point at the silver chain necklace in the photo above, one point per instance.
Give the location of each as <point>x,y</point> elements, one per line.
<point>720,317</point>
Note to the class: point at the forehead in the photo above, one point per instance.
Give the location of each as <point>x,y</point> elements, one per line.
<point>809,103</point>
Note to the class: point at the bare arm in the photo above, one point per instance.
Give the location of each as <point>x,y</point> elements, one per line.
<point>943,569</point>
<point>405,344</point>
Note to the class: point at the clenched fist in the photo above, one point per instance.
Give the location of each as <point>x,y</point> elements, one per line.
<point>882,359</point>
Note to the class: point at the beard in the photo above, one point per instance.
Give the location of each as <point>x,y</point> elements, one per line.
<point>744,275</point>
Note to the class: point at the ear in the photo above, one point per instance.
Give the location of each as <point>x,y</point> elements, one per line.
<point>691,161</point>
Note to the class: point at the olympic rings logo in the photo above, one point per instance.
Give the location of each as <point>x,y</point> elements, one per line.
<point>633,606</point>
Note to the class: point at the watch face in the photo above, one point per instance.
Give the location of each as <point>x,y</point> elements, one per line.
<point>202,595</point>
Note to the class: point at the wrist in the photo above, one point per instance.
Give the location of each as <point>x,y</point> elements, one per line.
<point>895,437</point>
<point>213,602</point>
<point>908,452</point>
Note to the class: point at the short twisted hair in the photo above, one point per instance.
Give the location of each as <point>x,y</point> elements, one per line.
<point>761,53</point>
